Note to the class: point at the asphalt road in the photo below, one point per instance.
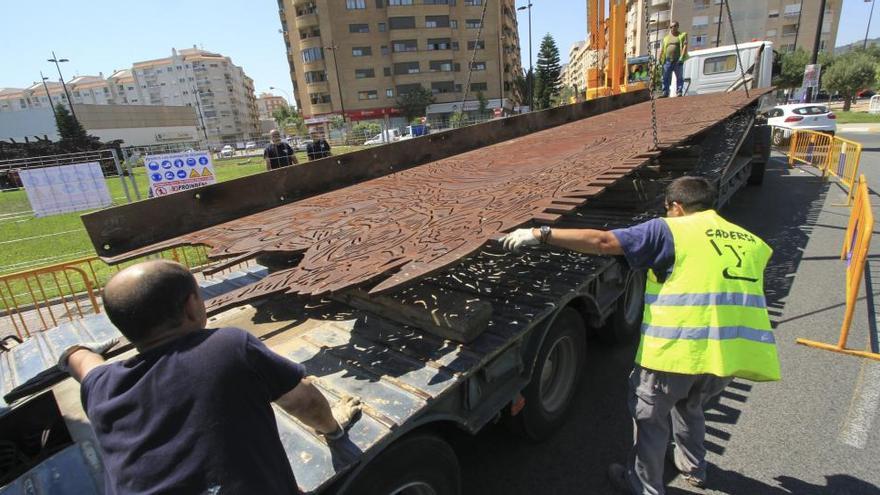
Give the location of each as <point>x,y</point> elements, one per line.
<point>815,432</point>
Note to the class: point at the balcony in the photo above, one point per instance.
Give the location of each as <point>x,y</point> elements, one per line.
<point>314,65</point>
<point>314,41</point>
<point>318,87</point>
<point>661,17</point>
<point>307,20</point>
<point>319,108</point>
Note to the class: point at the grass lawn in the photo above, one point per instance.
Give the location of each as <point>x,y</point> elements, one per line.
<point>27,242</point>
<point>857,118</point>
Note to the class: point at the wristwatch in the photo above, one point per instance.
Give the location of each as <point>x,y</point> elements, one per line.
<point>545,233</point>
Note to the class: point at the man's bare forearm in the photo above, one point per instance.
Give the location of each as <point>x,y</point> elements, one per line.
<point>589,241</point>
<point>309,405</point>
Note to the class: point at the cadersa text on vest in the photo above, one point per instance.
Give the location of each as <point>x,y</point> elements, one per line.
<point>730,234</point>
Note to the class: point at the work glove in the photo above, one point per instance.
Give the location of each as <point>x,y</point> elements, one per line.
<point>96,347</point>
<point>515,240</point>
<point>346,411</point>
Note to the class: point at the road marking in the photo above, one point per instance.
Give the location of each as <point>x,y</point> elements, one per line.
<point>856,129</point>
<point>863,407</point>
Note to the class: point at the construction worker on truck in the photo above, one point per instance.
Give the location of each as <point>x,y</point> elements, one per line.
<point>705,322</point>
<point>673,53</point>
<point>191,412</point>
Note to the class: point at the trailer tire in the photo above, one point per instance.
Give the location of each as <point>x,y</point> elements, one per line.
<point>625,324</point>
<point>555,379</point>
<point>421,463</point>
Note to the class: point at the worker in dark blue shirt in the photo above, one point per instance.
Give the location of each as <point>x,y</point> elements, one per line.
<point>278,154</point>
<point>318,148</point>
<point>192,411</point>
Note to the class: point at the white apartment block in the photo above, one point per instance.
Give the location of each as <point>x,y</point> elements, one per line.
<point>219,90</point>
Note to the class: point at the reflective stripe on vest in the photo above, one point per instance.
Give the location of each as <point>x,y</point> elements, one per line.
<point>710,316</point>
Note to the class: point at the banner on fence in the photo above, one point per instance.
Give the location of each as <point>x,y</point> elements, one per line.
<point>175,172</point>
<point>65,188</point>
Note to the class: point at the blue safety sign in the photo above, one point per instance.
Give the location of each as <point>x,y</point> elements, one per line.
<point>178,163</point>
<point>166,164</point>
<point>156,177</point>
<point>191,162</point>
<point>154,165</point>
<point>169,175</point>
<point>175,172</point>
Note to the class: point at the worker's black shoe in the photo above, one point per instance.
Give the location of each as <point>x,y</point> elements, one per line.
<point>617,477</point>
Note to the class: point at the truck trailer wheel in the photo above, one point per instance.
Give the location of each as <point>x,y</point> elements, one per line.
<point>420,464</point>
<point>625,324</point>
<point>555,378</point>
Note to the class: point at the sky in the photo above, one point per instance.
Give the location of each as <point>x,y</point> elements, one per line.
<point>101,36</point>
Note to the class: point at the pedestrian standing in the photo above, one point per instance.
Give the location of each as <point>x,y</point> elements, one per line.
<point>318,148</point>
<point>705,322</point>
<point>278,153</point>
<point>673,53</point>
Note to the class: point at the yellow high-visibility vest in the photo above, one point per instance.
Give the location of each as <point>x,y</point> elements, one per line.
<point>710,315</point>
<point>682,44</point>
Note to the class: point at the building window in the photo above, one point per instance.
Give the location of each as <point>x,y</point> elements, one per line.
<point>773,13</point>
<point>472,23</point>
<point>771,33</point>
<point>792,10</point>
<point>789,30</point>
<point>382,27</point>
<point>441,66</point>
<point>701,4</point>
<point>319,98</point>
<point>406,68</point>
<point>436,21</point>
<point>473,3</point>
<point>443,87</point>
<point>439,44</point>
<point>822,44</point>
<point>403,89</point>
<point>479,86</point>
<point>312,54</point>
<point>439,2</point>
<point>368,95</point>
<point>480,45</point>
<point>384,50</point>
<point>698,40</point>
<point>404,46</point>
<point>364,73</point>
<point>700,21</point>
<point>389,93</point>
<point>719,65</point>
<point>402,22</point>
<point>387,71</point>
<point>355,4</point>
<point>478,66</point>
<point>361,51</point>
<point>315,76</point>
<point>393,3</point>
<point>358,28</point>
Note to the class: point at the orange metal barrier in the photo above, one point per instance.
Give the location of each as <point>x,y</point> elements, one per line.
<point>856,244</point>
<point>41,298</point>
<point>830,154</point>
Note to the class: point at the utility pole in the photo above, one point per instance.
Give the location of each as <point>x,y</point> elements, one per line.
<point>531,80</point>
<point>69,101</point>
<point>720,15</point>
<point>797,29</point>
<point>865,44</point>
<point>333,47</point>
<point>49,96</point>
<point>815,57</point>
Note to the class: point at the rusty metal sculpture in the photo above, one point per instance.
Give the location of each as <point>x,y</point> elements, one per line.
<point>418,221</point>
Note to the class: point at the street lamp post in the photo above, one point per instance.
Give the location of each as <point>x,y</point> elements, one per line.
<point>531,68</point>
<point>49,96</point>
<point>333,49</point>
<point>57,60</point>
<point>285,94</point>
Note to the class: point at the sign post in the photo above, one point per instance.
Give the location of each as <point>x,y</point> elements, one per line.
<point>175,172</point>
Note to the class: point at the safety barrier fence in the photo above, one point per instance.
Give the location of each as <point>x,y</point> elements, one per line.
<point>42,298</point>
<point>856,244</point>
<point>832,155</point>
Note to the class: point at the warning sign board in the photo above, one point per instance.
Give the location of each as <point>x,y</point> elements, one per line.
<point>811,76</point>
<point>175,172</point>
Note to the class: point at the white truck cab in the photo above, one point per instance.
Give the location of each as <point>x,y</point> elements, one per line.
<point>715,70</point>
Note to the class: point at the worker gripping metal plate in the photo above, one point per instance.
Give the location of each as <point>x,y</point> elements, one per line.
<point>705,322</point>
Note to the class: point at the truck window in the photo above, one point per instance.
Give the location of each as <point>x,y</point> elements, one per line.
<point>719,65</point>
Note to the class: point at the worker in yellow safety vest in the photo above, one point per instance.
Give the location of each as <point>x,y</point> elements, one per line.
<point>673,53</point>
<point>705,322</point>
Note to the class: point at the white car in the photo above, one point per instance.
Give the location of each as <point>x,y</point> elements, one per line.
<point>250,145</point>
<point>227,150</point>
<point>800,116</point>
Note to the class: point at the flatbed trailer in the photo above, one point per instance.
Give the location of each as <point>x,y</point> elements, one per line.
<point>523,367</point>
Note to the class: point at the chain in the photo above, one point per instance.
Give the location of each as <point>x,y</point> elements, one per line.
<point>652,65</point>
<point>736,45</point>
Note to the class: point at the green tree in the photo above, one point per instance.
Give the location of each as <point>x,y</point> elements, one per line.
<point>483,104</point>
<point>363,131</point>
<point>337,122</point>
<point>73,135</point>
<point>290,120</point>
<point>456,120</point>
<point>413,103</point>
<point>564,97</point>
<point>522,86</point>
<point>850,72</point>
<point>547,72</point>
<point>792,71</point>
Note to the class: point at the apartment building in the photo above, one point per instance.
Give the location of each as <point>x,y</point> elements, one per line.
<point>358,56</point>
<point>219,90</point>
<point>786,23</point>
<point>267,103</point>
<point>580,58</point>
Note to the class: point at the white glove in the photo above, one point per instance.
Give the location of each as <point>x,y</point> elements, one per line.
<point>96,347</point>
<point>345,412</point>
<point>515,240</point>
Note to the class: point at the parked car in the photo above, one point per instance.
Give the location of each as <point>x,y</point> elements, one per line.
<point>386,136</point>
<point>302,145</point>
<point>865,93</point>
<point>250,145</point>
<point>801,116</point>
<point>227,150</point>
